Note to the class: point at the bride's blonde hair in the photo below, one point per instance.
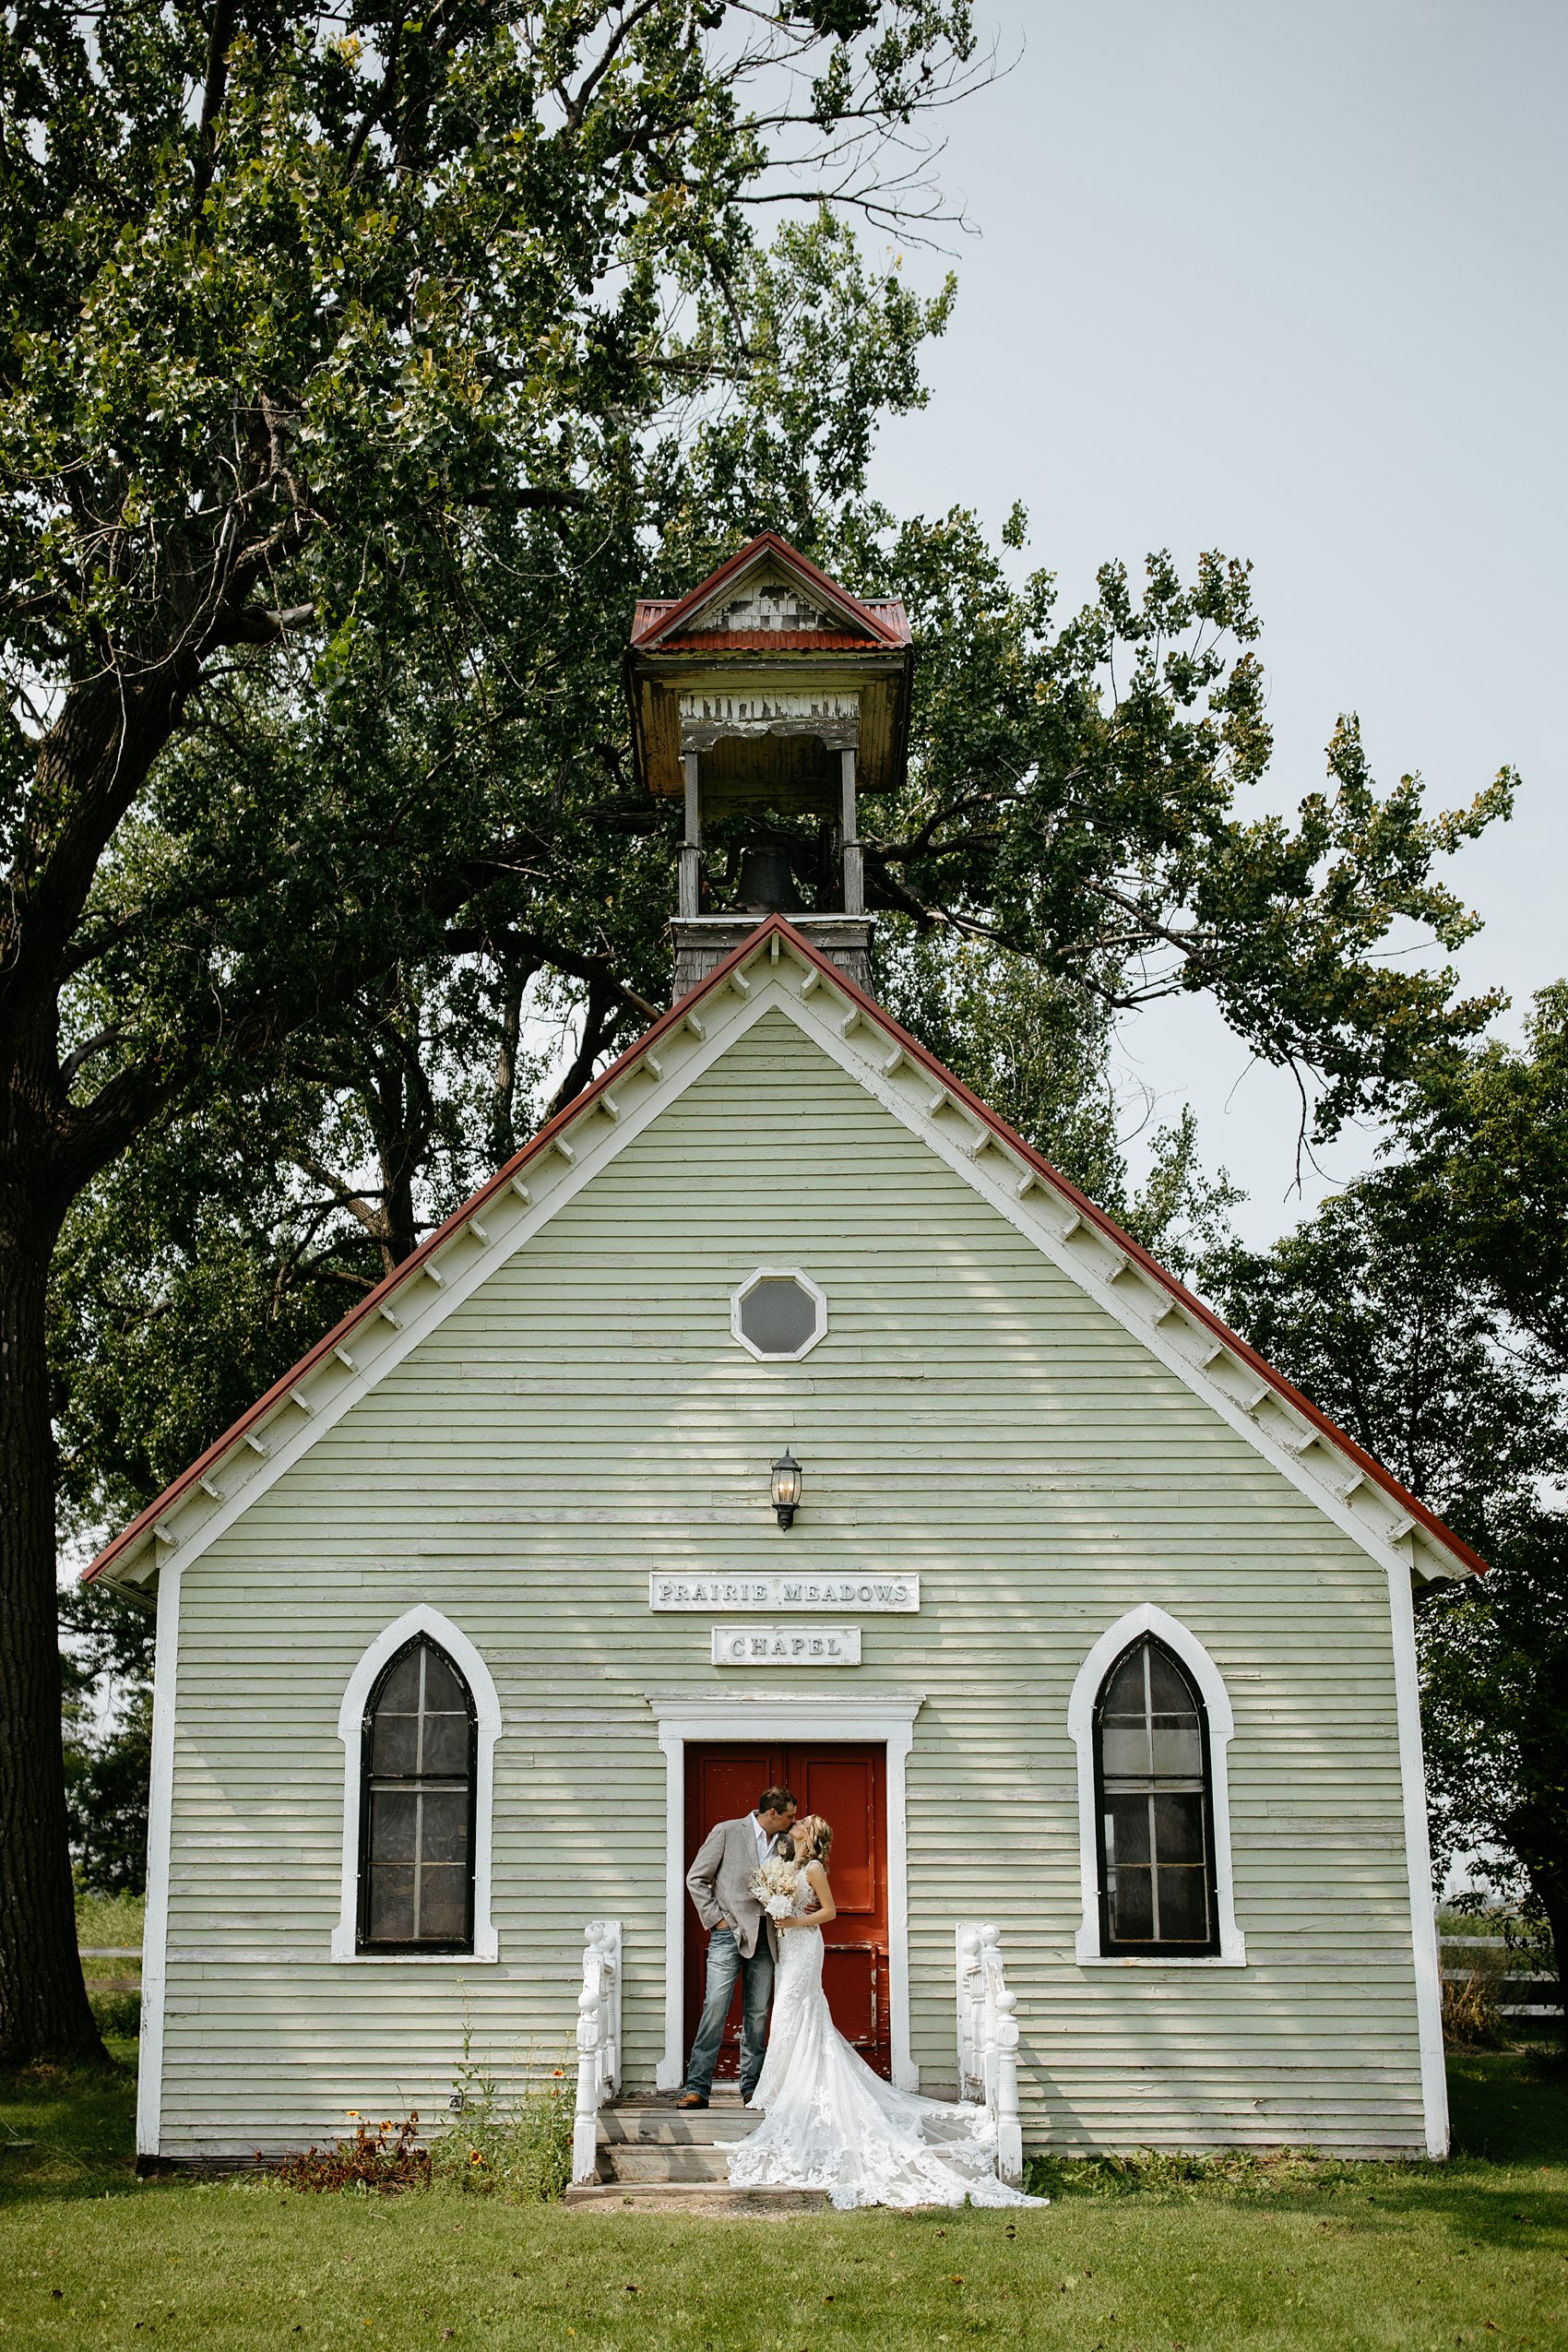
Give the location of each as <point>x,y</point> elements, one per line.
<point>820,1837</point>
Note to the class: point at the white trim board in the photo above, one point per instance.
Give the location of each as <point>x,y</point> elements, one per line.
<point>159,1830</point>
<point>869,1718</point>
<point>1418,1857</point>
<point>1149,1619</point>
<point>814,1291</point>
<point>856,1042</point>
<point>351,1731</point>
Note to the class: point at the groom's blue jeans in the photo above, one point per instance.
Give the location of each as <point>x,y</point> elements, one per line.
<point>724,1965</point>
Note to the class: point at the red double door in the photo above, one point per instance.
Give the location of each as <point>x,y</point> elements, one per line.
<point>846,1786</point>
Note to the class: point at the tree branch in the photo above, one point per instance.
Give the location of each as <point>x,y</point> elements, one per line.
<point>216,83</point>
<point>84,1054</point>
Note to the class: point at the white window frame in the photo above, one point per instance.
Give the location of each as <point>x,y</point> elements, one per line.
<point>778,1274</point>
<point>351,1731</point>
<point>1149,1619</point>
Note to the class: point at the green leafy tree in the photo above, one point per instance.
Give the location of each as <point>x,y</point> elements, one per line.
<point>356,374</point>
<point>107,1664</point>
<point>1376,1310</point>
<point>344,363</point>
<point>1075,799</point>
<point>1043,1053</point>
<point>1487,1133</point>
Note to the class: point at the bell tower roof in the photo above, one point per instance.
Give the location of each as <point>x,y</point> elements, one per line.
<point>769,598</point>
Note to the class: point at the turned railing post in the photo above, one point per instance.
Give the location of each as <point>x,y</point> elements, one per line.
<point>988,2041</point>
<point>970,1986</point>
<point>598,2039</point>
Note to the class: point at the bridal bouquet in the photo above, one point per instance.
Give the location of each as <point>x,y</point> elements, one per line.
<point>775,1885</point>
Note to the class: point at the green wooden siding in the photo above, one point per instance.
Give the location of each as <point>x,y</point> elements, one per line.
<point>585,1417</point>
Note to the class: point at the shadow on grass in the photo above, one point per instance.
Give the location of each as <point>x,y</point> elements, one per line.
<point>69,2132</point>
<point>1504,2186</point>
<point>1506,2183</point>
<point>1503,2112</point>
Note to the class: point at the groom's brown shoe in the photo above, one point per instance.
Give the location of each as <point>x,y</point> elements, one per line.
<point>693,2098</point>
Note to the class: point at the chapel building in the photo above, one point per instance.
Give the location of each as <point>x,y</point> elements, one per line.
<point>777,1414</point>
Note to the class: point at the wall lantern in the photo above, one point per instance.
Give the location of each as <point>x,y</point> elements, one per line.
<point>785,1488</point>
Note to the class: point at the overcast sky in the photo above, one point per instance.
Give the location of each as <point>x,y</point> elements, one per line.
<point>1288,282</point>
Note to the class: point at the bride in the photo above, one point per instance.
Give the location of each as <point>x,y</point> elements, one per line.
<point>828,2123</point>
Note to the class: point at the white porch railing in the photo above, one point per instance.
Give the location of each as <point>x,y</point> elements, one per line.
<point>988,2042</point>
<point>598,2039</point>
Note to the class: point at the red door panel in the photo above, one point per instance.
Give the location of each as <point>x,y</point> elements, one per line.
<point>846,1786</point>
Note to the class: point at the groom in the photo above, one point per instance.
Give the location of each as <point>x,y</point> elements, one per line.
<point>720,1883</point>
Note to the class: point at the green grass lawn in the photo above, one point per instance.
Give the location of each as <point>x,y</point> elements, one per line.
<point>1473,2252</point>
<point>116,1920</point>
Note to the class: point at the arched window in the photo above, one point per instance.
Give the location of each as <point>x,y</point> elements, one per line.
<point>1154,1803</point>
<point>417,1758</point>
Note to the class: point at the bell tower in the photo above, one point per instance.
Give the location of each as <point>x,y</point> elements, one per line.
<point>769,700</point>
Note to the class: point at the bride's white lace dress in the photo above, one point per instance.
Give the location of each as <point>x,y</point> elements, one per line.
<point>828,2123</point>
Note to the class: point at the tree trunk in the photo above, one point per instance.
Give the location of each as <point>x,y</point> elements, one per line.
<point>43,2002</point>
<point>503,1087</point>
<point>1553,1893</point>
<point>600,1017</point>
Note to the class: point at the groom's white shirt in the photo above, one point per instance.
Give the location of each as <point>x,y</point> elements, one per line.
<point>764,1842</point>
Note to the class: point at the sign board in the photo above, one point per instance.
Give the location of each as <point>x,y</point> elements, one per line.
<point>786,1646</point>
<point>868,1595</point>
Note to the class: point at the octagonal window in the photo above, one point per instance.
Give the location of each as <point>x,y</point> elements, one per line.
<point>779,1313</point>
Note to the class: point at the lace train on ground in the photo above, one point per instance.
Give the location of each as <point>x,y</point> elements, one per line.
<point>828,2123</point>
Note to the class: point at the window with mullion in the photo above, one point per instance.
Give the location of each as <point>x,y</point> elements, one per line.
<point>417,1814</point>
<point>1154,1808</point>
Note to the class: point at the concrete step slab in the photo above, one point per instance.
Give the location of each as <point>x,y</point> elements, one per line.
<point>693,2196</point>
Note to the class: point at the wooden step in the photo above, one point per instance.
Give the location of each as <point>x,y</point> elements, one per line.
<point>664,2162</point>
<point>668,2126</point>
<point>646,2144</point>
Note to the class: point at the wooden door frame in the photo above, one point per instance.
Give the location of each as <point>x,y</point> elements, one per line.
<point>880,1719</point>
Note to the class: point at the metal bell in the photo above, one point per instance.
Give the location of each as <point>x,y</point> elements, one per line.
<point>767,886</point>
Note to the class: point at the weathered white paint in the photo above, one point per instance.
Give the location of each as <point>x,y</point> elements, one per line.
<point>988,2041</point>
<point>1418,1859</point>
<point>878,1719</point>
<point>1147,1618</point>
<point>598,2039</point>
<point>786,1646</point>
<point>765,706</point>
<point>159,1822</point>
<point>351,1731</point>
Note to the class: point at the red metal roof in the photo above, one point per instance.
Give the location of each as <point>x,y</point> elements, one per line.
<point>769,641</point>
<point>1091,1215</point>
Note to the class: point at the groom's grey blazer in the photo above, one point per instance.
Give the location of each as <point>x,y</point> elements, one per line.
<point>719,1883</point>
